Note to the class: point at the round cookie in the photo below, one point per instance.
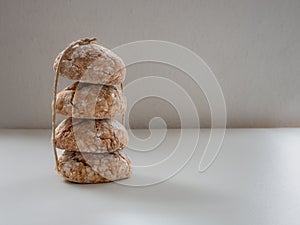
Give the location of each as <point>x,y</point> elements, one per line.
<point>89,62</point>
<point>94,136</point>
<point>86,168</point>
<point>90,101</point>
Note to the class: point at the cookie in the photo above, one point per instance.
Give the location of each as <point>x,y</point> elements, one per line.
<point>94,136</point>
<point>93,168</point>
<point>91,63</point>
<point>90,101</point>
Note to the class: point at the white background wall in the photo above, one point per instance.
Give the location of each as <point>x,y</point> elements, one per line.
<point>252,46</point>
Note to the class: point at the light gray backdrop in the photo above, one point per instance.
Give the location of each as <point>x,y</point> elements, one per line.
<point>252,46</point>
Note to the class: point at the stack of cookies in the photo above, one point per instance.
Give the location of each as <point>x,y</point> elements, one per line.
<point>91,138</point>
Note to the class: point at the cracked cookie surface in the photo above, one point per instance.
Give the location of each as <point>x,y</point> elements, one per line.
<point>90,101</point>
<point>95,136</point>
<point>94,168</point>
<point>90,63</point>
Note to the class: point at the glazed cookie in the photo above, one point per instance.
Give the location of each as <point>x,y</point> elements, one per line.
<point>95,136</point>
<point>94,168</point>
<point>90,101</point>
<point>89,62</point>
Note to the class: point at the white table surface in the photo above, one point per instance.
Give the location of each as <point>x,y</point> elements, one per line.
<point>255,180</point>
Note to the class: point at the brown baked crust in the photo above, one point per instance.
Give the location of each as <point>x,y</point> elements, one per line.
<point>94,136</point>
<point>86,168</point>
<point>90,101</point>
<point>90,63</point>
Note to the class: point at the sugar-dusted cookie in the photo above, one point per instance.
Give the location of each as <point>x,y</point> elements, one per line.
<point>94,168</point>
<point>88,135</point>
<point>90,101</point>
<point>89,62</point>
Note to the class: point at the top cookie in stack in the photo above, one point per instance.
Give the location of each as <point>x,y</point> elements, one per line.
<point>92,140</point>
<point>89,62</point>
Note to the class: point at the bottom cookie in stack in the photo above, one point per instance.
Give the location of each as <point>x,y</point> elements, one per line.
<point>94,167</point>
